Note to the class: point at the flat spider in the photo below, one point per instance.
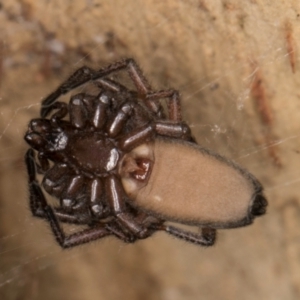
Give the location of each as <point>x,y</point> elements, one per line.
<point>121,166</point>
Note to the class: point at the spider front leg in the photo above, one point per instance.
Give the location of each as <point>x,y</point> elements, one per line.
<point>110,84</point>
<point>40,208</point>
<point>85,110</point>
<point>133,70</point>
<point>85,74</point>
<point>79,77</point>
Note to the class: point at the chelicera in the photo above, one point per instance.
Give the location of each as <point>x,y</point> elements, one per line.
<point>119,165</point>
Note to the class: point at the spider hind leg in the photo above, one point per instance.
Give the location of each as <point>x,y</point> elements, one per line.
<point>206,237</point>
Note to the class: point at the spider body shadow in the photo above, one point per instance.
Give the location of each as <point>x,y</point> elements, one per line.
<point>100,155</point>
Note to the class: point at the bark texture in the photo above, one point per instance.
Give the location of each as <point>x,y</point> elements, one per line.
<point>236,64</point>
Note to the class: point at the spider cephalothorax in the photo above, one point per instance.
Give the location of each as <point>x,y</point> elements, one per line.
<point>97,154</point>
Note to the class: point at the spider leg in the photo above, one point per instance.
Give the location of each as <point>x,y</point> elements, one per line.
<point>133,70</point>
<point>107,83</point>
<point>71,191</point>
<point>75,239</point>
<point>79,77</point>
<point>56,179</point>
<point>43,165</point>
<point>62,111</point>
<point>152,103</point>
<point>36,136</point>
<point>85,109</point>
<point>207,236</point>
<point>145,133</point>
<point>116,196</point>
<point>115,229</point>
<point>175,130</point>
<point>96,188</point>
<point>34,190</point>
<point>40,208</point>
<point>135,138</point>
<point>78,110</point>
<point>85,74</point>
<point>173,101</point>
<point>54,182</point>
<point>118,121</point>
<point>65,216</point>
<point>174,127</point>
<point>62,184</point>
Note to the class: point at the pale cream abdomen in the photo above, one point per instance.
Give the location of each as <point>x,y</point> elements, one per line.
<point>191,186</point>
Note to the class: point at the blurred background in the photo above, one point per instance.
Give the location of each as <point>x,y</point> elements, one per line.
<point>236,65</point>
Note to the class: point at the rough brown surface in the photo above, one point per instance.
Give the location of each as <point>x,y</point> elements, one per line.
<point>236,65</point>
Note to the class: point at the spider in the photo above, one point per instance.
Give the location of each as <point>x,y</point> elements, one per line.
<point>118,164</point>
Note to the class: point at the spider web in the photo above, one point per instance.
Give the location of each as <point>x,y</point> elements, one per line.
<point>233,105</point>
